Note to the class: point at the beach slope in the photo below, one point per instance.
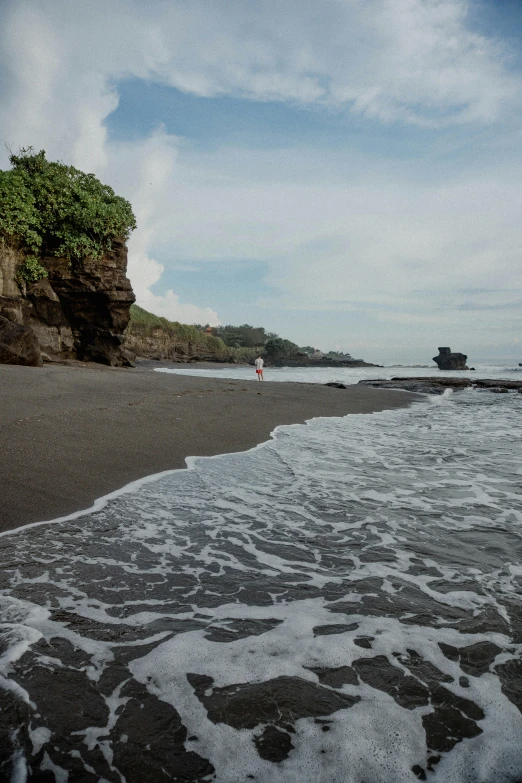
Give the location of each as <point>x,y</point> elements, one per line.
<point>71,434</point>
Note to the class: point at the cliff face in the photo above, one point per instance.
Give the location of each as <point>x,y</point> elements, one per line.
<point>159,344</point>
<point>79,311</point>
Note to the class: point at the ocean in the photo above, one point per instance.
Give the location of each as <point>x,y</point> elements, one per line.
<point>340,604</point>
<point>347,375</point>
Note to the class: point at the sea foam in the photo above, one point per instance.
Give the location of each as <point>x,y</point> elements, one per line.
<point>344,598</point>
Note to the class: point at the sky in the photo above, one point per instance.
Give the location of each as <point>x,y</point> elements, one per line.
<point>346,173</point>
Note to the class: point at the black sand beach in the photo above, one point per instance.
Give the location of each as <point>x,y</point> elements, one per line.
<point>71,434</point>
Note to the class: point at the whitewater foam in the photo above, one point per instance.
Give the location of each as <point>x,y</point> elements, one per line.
<point>361,573</point>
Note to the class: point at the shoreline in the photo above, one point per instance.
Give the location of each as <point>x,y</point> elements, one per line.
<point>73,435</point>
<point>100,503</point>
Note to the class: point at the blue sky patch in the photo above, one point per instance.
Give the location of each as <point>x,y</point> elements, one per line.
<point>226,285</point>
<point>209,123</point>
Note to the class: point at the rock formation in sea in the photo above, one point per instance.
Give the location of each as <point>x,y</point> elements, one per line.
<point>439,385</point>
<point>446,360</point>
<point>79,311</point>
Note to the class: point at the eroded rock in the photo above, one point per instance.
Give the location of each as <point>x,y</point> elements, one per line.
<point>446,360</point>
<point>79,311</point>
<point>18,344</point>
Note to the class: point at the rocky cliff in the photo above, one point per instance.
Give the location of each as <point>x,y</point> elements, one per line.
<point>79,311</point>
<point>153,337</point>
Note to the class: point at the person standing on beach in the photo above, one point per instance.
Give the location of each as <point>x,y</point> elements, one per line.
<point>259,368</point>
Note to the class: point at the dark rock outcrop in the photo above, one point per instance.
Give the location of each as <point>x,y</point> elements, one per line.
<point>18,344</point>
<point>446,360</point>
<point>79,311</point>
<point>438,385</point>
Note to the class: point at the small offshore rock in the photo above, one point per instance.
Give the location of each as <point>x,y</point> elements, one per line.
<point>446,360</point>
<point>336,384</point>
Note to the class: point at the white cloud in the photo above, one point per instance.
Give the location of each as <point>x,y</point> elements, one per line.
<point>370,235</point>
<point>410,60</point>
<point>144,171</point>
<point>169,306</point>
<point>404,251</point>
<point>396,60</point>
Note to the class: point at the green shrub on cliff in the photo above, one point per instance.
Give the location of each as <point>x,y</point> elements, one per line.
<point>48,207</point>
<point>31,270</point>
<point>244,336</point>
<point>143,324</point>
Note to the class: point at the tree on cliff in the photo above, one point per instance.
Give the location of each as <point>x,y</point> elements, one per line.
<point>244,336</point>
<point>50,208</point>
<point>276,349</point>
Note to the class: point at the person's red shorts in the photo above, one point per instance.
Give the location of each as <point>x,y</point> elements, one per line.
<point>259,372</point>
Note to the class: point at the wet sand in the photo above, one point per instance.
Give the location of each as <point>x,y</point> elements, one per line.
<point>71,434</point>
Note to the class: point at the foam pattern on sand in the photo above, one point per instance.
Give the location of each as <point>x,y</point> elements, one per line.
<point>340,605</point>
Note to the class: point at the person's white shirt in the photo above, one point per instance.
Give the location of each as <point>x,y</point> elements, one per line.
<point>259,364</point>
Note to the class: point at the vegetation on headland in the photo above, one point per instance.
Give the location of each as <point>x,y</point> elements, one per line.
<point>145,324</point>
<point>251,341</point>
<point>48,208</point>
<point>226,343</point>
<point>269,344</point>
